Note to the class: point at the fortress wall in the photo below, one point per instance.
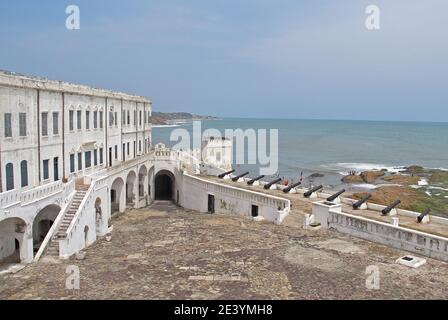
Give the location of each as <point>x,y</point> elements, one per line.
<point>231,200</point>
<point>394,236</point>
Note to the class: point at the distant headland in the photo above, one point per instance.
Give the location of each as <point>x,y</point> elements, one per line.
<point>173,118</point>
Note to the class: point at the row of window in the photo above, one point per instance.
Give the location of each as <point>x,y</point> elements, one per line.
<point>98,159</point>
<point>98,120</point>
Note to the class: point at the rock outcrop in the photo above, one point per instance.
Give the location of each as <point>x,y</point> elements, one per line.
<point>371,176</point>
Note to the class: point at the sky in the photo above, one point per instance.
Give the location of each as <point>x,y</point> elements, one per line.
<point>309,59</point>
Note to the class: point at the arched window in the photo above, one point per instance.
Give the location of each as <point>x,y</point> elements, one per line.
<point>24,173</point>
<point>9,177</point>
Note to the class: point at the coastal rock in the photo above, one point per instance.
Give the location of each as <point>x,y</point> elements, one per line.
<point>439,176</point>
<point>415,170</point>
<point>371,176</point>
<point>402,179</point>
<point>352,179</point>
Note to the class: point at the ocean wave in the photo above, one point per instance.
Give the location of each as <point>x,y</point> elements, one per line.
<point>365,186</point>
<point>359,167</point>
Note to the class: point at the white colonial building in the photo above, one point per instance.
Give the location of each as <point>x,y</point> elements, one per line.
<point>71,156</point>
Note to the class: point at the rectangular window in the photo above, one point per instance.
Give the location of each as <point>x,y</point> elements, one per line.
<point>129,148</point>
<point>146,118</point>
<point>87,120</point>
<point>101,119</point>
<point>129,117</point>
<point>116,119</point>
<point>8,128</point>
<point>71,121</point>
<point>101,155</point>
<point>88,159</point>
<point>72,163</point>
<point>111,118</point>
<point>56,169</point>
<point>123,117</point>
<point>95,157</point>
<point>123,152</point>
<point>140,146</point>
<point>135,148</point>
<point>44,124</point>
<point>95,119</point>
<point>22,124</point>
<point>46,170</point>
<point>140,119</point>
<point>116,152</point>
<point>78,115</point>
<point>135,118</point>
<point>79,161</point>
<point>55,123</point>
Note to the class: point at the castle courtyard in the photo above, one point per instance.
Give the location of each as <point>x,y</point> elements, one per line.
<point>166,252</point>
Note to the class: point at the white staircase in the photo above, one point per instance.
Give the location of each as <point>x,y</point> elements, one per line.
<point>61,232</point>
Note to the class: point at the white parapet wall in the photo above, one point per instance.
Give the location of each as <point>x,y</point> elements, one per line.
<point>331,217</point>
<point>231,200</point>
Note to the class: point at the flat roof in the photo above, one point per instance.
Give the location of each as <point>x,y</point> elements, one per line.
<point>12,79</point>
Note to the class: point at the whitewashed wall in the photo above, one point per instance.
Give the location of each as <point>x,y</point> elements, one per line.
<point>231,200</point>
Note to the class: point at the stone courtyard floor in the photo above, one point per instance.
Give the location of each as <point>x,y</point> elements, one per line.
<point>165,252</point>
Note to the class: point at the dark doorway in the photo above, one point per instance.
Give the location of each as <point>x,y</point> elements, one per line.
<point>113,196</point>
<point>110,157</point>
<point>211,203</point>
<point>164,187</point>
<point>254,211</point>
<point>56,169</point>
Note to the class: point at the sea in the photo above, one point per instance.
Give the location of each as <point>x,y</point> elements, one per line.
<point>323,151</point>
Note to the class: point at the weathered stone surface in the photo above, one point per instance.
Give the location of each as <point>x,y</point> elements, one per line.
<point>352,179</point>
<point>371,176</point>
<point>202,256</point>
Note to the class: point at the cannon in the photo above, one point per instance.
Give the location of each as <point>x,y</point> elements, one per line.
<point>335,196</point>
<point>359,203</point>
<point>240,176</point>
<point>287,189</point>
<point>423,215</point>
<point>310,192</point>
<point>270,184</point>
<point>251,182</point>
<point>222,175</point>
<point>390,207</point>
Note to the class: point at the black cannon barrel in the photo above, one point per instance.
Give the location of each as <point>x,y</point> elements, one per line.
<point>270,184</point>
<point>423,215</point>
<point>334,196</point>
<point>251,182</point>
<point>240,176</point>
<point>310,192</point>
<point>222,175</point>
<point>390,207</point>
<point>289,188</point>
<point>359,203</point>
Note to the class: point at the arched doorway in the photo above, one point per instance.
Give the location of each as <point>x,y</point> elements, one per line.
<point>142,181</point>
<point>12,232</point>
<point>117,199</point>
<point>42,223</point>
<point>164,185</point>
<point>130,183</point>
